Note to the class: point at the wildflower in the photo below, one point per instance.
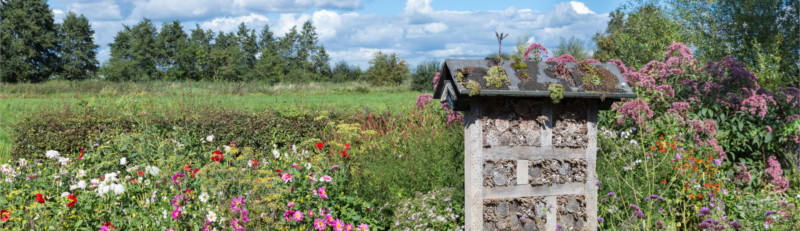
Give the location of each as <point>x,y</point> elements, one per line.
<point>217,156</point>
<point>252,163</point>
<point>660,224</point>
<point>72,200</point>
<point>5,215</point>
<point>344,154</point>
<point>610,194</point>
<point>176,213</point>
<point>705,211</point>
<point>308,165</point>
<point>210,138</point>
<point>50,154</point>
<point>774,172</point>
<point>348,227</point>
<point>298,216</point>
<point>320,145</point>
<point>735,224</point>
<point>334,167</point>
<point>598,183</point>
<point>286,177</point>
<point>600,220</point>
<point>319,224</point>
<point>424,99</point>
<point>63,161</point>
<point>310,213</point>
<point>236,204</point>
<point>338,225</point>
<point>123,161</point>
<point>81,173</point>
<point>639,214</point>
<point>321,192</point>
<point>40,198</point>
<point>276,153</point>
<point>635,208</point>
<point>664,182</point>
<point>152,170</point>
<point>80,156</point>
<point>363,227</point>
<point>770,212</point>
<point>22,162</point>
<point>176,179</point>
<point>326,178</point>
<point>107,226</point>
<point>117,188</point>
<point>81,184</point>
<point>329,219</point>
<point>290,204</point>
<point>204,197</point>
<point>288,214</point>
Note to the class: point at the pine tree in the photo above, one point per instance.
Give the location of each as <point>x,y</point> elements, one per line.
<point>248,45</point>
<point>174,61</point>
<point>78,51</point>
<point>28,41</point>
<point>268,67</point>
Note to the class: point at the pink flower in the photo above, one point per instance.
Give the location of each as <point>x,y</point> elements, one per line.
<point>565,58</point>
<point>348,227</point>
<point>363,227</point>
<point>769,129</point>
<point>319,224</point>
<point>287,177</point>
<point>330,220</point>
<point>288,214</point>
<point>435,80</point>
<point>635,110</point>
<point>424,99</point>
<point>298,216</point>
<point>334,167</point>
<point>176,179</point>
<point>326,178</point>
<point>774,172</point>
<point>535,49</point>
<point>236,204</point>
<point>290,204</point>
<point>338,225</point>
<point>321,192</point>
<point>176,213</point>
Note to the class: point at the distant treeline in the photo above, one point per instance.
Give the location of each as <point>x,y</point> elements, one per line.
<point>35,49</point>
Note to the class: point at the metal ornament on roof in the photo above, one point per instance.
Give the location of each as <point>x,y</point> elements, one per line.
<point>532,81</point>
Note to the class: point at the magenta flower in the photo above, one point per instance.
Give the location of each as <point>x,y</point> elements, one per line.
<point>774,172</point>
<point>330,220</point>
<point>424,99</point>
<point>320,224</point>
<point>334,167</point>
<point>338,225</point>
<point>287,177</point>
<point>635,110</point>
<point>290,204</point>
<point>326,178</point>
<point>288,215</point>
<point>363,227</point>
<point>298,216</point>
<point>348,227</point>
<point>176,213</point>
<point>435,80</point>
<point>321,192</point>
<point>236,204</point>
<point>176,179</point>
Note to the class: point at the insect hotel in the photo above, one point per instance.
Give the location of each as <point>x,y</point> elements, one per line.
<point>530,139</point>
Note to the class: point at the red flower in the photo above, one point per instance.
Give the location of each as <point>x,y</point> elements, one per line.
<point>347,146</point>
<point>40,198</point>
<point>194,172</point>
<point>320,145</point>
<point>188,167</point>
<point>664,182</point>
<point>81,155</point>
<point>72,200</point>
<point>141,173</point>
<point>108,224</point>
<point>217,156</point>
<point>189,191</point>
<point>5,215</point>
<point>278,170</point>
<point>233,144</point>
<point>344,153</point>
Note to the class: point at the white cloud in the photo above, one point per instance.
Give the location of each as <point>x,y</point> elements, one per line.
<point>104,10</point>
<point>580,8</point>
<point>327,22</point>
<point>296,5</point>
<point>231,24</point>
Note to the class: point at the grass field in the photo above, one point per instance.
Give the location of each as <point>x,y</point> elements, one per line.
<point>153,97</point>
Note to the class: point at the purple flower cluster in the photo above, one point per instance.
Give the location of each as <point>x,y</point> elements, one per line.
<point>774,172</point>
<point>452,115</point>
<point>707,127</point>
<point>680,108</point>
<point>705,211</point>
<point>237,205</point>
<point>635,110</point>
<point>679,57</point>
<point>423,99</point>
<point>654,197</point>
<point>638,212</point>
<point>436,80</point>
<point>756,105</point>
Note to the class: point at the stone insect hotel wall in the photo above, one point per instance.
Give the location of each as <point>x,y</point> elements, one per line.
<point>529,161</point>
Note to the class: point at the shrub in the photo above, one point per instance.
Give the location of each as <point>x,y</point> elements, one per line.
<point>420,80</point>
<point>436,210</point>
<point>386,70</point>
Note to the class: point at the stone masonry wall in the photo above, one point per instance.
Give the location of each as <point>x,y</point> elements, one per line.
<point>536,163</point>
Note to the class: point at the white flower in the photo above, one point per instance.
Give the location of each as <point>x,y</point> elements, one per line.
<point>164,213</point>
<point>110,177</point>
<point>294,149</point>
<point>152,170</point>
<point>81,173</point>
<point>276,153</point>
<point>94,181</point>
<point>118,188</point>
<point>204,197</point>
<point>52,154</point>
<point>22,162</point>
<point>308,165</point>
<point>227,148</point>
<point>63,161</point>
<point>81,184</point>
<point>212,217</point>
<point>102,188</point>
<point>123,161</point>
<point>63,194</point>
<point>210,138</point>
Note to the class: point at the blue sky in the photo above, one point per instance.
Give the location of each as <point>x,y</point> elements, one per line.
<point>352,30</point>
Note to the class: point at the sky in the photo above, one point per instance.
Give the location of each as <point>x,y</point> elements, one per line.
<point>353,30</point>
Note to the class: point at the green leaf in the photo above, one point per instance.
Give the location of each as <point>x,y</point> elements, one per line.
<point>768,137</point>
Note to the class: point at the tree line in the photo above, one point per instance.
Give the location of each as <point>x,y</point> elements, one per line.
<point>35,49</point>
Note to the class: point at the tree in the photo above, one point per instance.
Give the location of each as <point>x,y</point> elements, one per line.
<point>422,79</point>
<point>762,34</point>
<point>28,41</point>
<point>268,67</point>
<point>573,46</point>
<point>386,70</point>
<point>200,45</point>
<point>248,45</point>
<point>78,51</point>
<point>174,58</point>
<point>638,37</point>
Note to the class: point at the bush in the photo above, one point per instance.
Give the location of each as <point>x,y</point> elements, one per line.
<point>435,210</point>
<point>386,70</point>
